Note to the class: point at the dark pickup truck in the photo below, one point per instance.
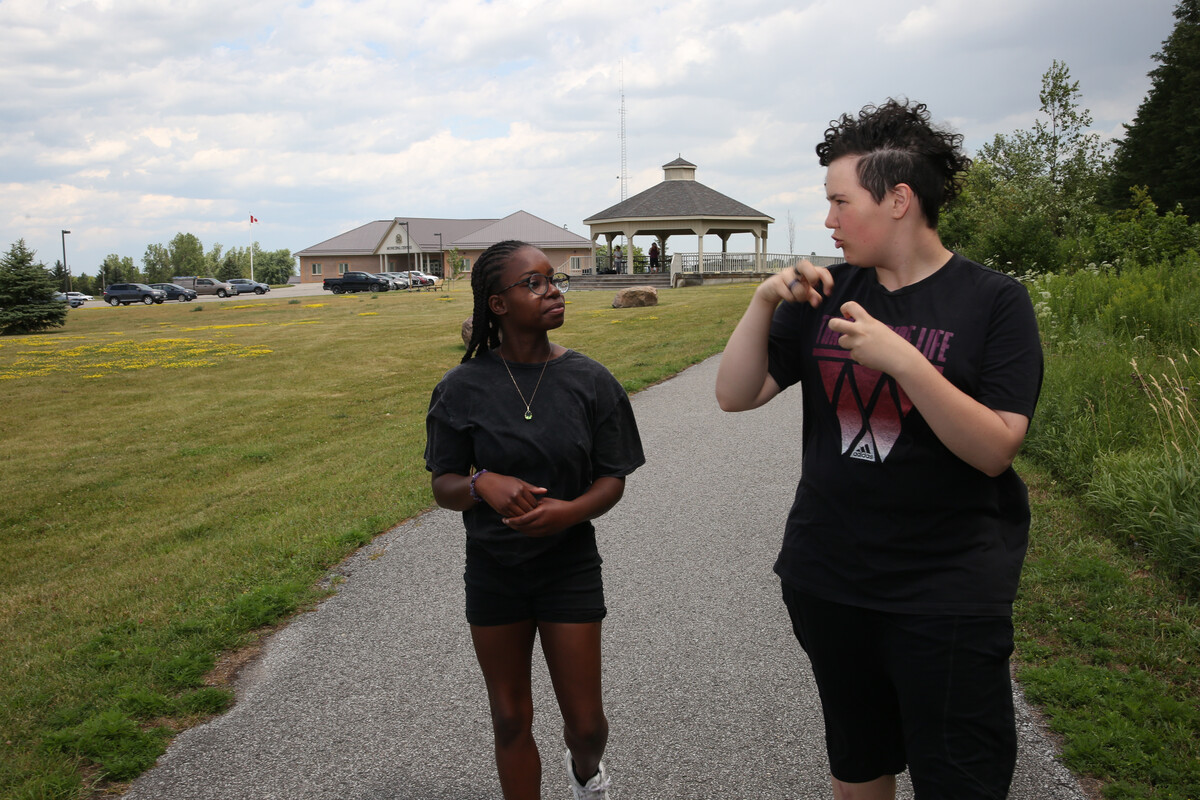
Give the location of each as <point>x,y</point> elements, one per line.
<point>357,282</point>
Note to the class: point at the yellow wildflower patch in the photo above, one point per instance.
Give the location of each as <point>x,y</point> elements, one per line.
<point>97,360</point>
<point>226,327</point>
<point>368,313</point>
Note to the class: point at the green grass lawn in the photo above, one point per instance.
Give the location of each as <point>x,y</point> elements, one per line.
<point>176,477</point>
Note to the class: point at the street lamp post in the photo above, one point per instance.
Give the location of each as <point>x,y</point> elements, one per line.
<point>441,256</point>
<point>66,272</point>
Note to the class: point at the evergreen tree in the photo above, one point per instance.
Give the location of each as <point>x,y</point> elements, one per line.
<point>1161,149</point>
<point>119,269</point>
<point>229,266</point>
<point>27,292</point>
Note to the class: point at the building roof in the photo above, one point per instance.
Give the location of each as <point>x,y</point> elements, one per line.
<point>361,241</point>
<point>471,234</point>
<point>424,231</point>
<point>525,227</point>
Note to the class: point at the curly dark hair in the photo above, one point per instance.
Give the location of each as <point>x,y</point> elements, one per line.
<point>485,281</point>
<point>897,144</point>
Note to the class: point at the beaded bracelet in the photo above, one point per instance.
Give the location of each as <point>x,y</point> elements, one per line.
<point>475,477</point>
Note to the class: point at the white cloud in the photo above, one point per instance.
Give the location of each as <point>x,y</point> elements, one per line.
<point>128,121</point>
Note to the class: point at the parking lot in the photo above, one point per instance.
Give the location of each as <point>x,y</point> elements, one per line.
<point>293,290</point>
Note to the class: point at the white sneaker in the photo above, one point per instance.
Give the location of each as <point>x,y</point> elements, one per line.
<point>595,789</point>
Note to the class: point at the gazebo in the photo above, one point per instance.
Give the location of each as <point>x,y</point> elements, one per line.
<point>681,205</point>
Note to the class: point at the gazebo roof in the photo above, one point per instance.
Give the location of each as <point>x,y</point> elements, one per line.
<point>677,197</point>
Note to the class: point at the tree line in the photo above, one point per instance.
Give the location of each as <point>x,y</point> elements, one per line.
<point>1057,197</point>
<point>183,255</point>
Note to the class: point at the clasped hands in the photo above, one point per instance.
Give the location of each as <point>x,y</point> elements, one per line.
<point>522,506</point>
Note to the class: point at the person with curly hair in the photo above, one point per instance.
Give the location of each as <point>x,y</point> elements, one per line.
<point>531,441</point>
<point>920,371</point>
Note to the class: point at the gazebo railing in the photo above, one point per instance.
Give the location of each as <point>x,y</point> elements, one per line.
<point>717,263</point>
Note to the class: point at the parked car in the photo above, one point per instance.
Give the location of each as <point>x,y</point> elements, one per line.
<point>399,279</point>
<point>176,292</point>
<point>122,294</point>
<point>205,285</point>
<point>397,283</point>
<point>244,285</point>
<point>416,279</point>
<point>357,282</point>
<point>430,280</point>
<point>66,298</point>
<point>80,296</point>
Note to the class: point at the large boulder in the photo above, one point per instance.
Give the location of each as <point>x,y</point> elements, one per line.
<point>636,297</point>
<point>467,327</point>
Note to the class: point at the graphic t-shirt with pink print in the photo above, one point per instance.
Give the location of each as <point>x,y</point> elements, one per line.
<point>885,516</point>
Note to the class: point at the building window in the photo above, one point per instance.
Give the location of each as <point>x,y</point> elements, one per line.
<point>343,268</point>
<point>316,268</point>
<point>576,263</point>
<point>466,267</point>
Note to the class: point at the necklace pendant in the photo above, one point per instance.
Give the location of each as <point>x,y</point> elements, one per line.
<point>528,414</point>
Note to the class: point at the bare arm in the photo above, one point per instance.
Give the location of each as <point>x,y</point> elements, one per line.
<point>743,382</point>
<point>508,495</point>
<point>984,438</point>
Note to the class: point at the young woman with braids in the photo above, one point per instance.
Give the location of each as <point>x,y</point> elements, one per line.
<point>532,441</point>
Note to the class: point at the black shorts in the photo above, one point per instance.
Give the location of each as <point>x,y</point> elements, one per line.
<point>560,585</point>
<point>929,692</point>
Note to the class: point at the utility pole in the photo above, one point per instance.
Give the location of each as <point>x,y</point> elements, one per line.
<point>624,168</point>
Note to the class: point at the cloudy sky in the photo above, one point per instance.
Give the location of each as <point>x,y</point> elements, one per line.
<point>128,121</point>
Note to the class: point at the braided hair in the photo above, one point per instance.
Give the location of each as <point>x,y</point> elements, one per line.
<point>485,281</point>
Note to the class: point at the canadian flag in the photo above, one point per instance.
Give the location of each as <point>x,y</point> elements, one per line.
<point>252,219</point>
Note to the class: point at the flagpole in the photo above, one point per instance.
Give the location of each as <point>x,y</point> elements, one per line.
<point>251,247</point>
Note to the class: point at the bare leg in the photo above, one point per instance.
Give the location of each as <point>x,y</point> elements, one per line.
<point>504,653</point>
<point>573,658</point>
<point>882,788</point>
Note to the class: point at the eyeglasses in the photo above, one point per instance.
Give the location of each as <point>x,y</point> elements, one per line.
<point>539,283</point>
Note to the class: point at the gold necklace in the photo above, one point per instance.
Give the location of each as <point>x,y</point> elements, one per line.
<point>529,402</point>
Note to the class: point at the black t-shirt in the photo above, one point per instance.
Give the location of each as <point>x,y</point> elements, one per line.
<point>885,516</point>
<point>582,429</point>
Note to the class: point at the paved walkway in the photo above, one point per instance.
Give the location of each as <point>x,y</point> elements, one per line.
<point>376,693</point>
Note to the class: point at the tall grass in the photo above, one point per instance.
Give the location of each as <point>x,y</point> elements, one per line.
<point>1125,436</point>
<point>1152,493</point>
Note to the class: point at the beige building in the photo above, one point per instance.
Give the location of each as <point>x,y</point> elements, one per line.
<point>421,243</point>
